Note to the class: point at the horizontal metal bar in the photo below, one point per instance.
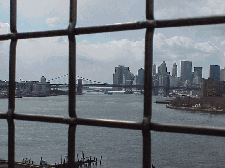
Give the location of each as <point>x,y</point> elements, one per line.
<point>81,30</point>
<point>50,119</point>
<point>28,35</point>
<point>79,121</point>
<point>190,21</point>
<point>110,123</point>
<point>121,124</point>
<point>188,129</point>
<point>115,27</point>
<point>120,27</point>
<point>3,115</point>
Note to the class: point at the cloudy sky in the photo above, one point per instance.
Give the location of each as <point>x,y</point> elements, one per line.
<point>99,54</point>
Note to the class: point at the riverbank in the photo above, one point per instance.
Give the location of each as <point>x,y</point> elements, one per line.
<point>195,109</point>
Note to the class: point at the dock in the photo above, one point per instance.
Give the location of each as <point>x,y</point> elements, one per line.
<point>164,100</point>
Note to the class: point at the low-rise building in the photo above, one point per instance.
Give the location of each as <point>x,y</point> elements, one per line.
<point>212,88</point>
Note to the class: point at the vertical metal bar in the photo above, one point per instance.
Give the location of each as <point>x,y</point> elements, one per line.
<point>11,100</point>
<point>12,75</point>
<point>13,10</point>
<point>148,86</point>
<point>72,82</point>
<point>11,142</point>
<point>11,104</point>
<point>72,76</point>
<point>71,146</point>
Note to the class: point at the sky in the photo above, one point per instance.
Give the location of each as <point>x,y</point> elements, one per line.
<point>99,54</point>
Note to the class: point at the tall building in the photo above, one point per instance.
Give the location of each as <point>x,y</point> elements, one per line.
<point>214,72</point>
<point>197,75</point>
<point>140,77</point>
<point>222,74</point>
<point>174,70</point>
<point>154,70</point>
<point>162,69</point>
<point>43,79</point>
<point>186,69</point>
<point>122,76</point>
<point>118,76</point>
<point>163,75</point>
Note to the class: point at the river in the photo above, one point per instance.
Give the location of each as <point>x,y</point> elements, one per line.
<point>118,147</point>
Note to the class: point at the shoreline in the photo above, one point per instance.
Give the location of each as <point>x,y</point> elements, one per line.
<point>195,109</point>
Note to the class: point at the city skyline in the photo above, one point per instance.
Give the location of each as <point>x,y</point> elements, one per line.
<point>98,54</point>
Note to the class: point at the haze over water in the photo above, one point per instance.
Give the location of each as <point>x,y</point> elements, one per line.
<point>118,147</point>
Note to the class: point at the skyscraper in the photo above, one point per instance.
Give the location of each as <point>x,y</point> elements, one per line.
<point>140,77</point>
<point>197,75</point>
<point>163,75</point>
<point>162,69</point>
<point>154,70</point>
<point>122,76</point>
<point>118,76</point>
<point>186,69</point>
<point>174,70</point>
<point>222,74</point>
<point>214,72</point>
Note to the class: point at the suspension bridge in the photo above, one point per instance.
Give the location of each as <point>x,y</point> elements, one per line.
<point>63,80</point>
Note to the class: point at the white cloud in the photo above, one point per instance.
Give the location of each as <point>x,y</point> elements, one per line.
<point>222,43</point>
<point>165,9</point>
<point>180,41</point>
<point>49,56</point>
<point>53,21</point>
<point>35,9</point>
<point>4,28</point>
<point>180,47</point>
<point>111,51</point>
<point>215,7</point>
<point>206,47</point>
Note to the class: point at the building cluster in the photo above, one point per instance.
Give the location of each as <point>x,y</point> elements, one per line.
<point>187,77</point>
<point>33,88</point>
<point>27,88</point>
<point>215,84</point>
<point>123,76</point>
<point>161,79</point>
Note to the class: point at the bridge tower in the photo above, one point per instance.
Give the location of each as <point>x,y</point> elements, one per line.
<point>79,87</point>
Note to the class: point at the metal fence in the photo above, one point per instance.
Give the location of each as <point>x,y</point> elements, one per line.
<point>146,126</point>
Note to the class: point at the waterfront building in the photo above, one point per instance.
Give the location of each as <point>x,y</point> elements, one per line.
<point>43,79</point>
<point>222,74</point>
<point>174,70</point>
<point>135,80</point>
<point>122,76</point>
<point>162,69</point>
<point>153,70</point>
<point>186,70</point>
<point>33,88</point>
<point>214,72</point>
<point>209,88</point>
<point>197,79</point>
<point>212,87</point>
<point>140,77</point>
<point>173,81</point>
<point>163,75</point>
<point>118,76</point>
